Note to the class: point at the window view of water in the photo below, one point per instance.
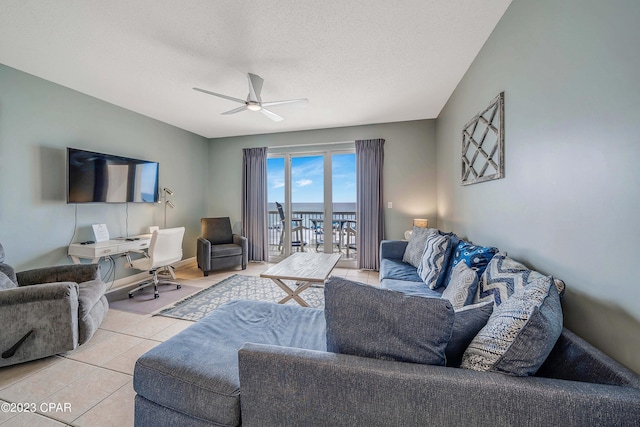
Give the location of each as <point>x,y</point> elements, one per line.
<point>307,194</point>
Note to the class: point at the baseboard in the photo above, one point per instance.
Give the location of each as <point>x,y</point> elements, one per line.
<point>143,275</point>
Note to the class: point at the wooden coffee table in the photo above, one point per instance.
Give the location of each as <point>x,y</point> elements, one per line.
<point>306,268</point>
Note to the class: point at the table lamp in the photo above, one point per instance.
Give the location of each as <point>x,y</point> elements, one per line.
<point>417,222</point>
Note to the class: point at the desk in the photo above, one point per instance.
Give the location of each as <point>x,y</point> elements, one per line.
<point>95,251</point>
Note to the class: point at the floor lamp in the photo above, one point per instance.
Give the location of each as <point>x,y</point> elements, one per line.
<point>166,191</point>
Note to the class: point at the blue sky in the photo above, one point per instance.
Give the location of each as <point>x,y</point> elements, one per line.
<point>307,179</point>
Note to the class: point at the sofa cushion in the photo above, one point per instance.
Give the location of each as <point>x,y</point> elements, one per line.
<point>520,333</point>
<point>410,288</point>
<point>5,282</point>
<point>432,269</point>
<point>196,371</point>
<point>366,321</point>
<point>415,247</point>
<point>474,256</point>
<point>502,278</point>
<point>396,269</point>
<point>462,287</point>
<point>225,250</point>
<point>468,321</point>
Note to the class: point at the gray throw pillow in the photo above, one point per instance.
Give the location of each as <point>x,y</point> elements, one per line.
<point>432,269</point>
<point>469,320</point>
<point>370,322</point>
<point>415,247</point>
<point>520,333</point>
<point>462,287</point>
<point>5,282</point>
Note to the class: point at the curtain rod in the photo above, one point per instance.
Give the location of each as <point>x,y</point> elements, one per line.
<point>310,145</point>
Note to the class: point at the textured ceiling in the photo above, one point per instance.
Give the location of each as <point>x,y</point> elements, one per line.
<point>358,62</point>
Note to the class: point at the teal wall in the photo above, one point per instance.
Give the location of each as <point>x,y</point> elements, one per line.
<point>569,203</point>
<point>409,175</point>
<point>38,120</point>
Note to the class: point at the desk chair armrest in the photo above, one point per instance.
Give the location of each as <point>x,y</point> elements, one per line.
<point>77,273</point>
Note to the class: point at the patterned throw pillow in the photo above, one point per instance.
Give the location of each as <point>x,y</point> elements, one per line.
<point>502,277</point>
<point>520,333</point>
<point>462,287</point>
<point>366,321</point>
<point>432,268</point>
<point>415,247</point>
<point>5,282</point>
<point>476,257</point>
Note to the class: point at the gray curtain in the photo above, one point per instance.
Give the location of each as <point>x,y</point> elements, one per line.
<point>370,213</point>
<point>254,202</point>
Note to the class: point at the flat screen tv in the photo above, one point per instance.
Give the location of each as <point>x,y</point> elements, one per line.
<point>104,178</point>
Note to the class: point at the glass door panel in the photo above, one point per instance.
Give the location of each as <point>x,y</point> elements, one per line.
<point>308,230</point>
<point>310,210</point>
<point>275,197</point>
<point>343,178</point>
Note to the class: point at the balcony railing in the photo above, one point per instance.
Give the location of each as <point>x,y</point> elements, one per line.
<point>313,231</point>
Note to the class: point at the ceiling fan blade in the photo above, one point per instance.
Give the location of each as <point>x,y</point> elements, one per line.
<point>230,98</point>
<point>235,110</point>
<point>289,101</point>
<point>273,116</point>
<point>255,87</point>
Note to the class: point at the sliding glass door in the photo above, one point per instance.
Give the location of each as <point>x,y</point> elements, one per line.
<point>312,203</point>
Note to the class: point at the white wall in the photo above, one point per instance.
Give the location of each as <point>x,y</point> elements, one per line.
<point>38,120</point>
<point>408,178</point>
<point>569,203</point>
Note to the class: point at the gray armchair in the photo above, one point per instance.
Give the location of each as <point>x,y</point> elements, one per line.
<point>48,310</point>
<point>218,247</point>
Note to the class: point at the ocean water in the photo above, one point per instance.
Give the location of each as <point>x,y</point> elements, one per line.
<point>316,207</point>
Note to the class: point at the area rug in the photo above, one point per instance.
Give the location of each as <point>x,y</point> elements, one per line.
<point>143,301</point>
<point>237,287</point>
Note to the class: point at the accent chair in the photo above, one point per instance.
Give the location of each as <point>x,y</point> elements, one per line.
<point>218,248</point>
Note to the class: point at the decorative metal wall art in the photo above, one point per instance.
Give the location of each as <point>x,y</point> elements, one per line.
<point>483,144</point>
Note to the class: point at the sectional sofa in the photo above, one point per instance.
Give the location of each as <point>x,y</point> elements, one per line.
<point>360,362</point>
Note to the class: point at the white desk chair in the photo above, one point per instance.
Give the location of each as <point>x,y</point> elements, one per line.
<point>165,249</point>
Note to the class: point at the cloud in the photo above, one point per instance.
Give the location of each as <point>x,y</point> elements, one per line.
<point>279,184</point>
<point>304,182</point>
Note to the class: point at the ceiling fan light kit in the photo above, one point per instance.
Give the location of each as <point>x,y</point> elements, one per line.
<point>253,101</point>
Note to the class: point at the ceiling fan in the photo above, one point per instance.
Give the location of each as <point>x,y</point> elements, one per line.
<point>254,102</point>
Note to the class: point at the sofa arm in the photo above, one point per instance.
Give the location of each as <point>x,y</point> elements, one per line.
<point>297,387</point>
<point>38,321</point>
<point>40,292</point>
<point>392,249</point>
<point>203,253</point>
<point>77,273</point>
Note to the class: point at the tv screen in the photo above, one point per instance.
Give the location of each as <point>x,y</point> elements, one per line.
<point>104,178</point>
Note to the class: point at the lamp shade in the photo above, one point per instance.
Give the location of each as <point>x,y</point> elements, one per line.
<point>420,222</point>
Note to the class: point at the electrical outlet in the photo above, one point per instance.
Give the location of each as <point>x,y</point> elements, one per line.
<point>390,205</point>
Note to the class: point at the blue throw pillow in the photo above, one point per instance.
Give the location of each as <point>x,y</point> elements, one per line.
<point>476,257</point>
<point>370,322</point>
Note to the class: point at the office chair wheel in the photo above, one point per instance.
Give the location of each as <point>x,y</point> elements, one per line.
<point>178,286</point>
<point>130,295</point>
<point>156,295</point>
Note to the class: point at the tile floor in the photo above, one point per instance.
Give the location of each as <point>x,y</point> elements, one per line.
<point>92,386</point>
